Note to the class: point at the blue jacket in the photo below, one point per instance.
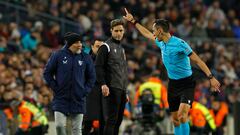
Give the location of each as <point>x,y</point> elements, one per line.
<point>29,43</point>
<point>71,77</point>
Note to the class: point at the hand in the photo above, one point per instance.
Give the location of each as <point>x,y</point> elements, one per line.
<point>128,16</point>
<point>105,90</point>
<point>215,84</point>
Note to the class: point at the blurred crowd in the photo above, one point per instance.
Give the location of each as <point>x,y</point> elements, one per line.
<point>26,44</point>
<point>190,18</point>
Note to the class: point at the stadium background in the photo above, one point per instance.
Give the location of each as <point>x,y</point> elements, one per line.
<point>212,28</point>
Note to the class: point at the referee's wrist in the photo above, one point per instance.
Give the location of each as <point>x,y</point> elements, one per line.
<point>210,76</point>
<point>134,22</point>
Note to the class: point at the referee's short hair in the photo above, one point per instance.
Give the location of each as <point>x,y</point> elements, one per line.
<point>116,22</point>
<point>164,24</point>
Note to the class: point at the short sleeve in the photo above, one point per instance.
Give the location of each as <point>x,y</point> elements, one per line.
<point>159,44</point>
<point>185,48</point>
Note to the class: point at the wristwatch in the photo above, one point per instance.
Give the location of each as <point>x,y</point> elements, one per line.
<point>210,76</point>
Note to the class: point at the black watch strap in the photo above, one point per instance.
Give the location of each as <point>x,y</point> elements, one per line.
<point>210,76</point>
<point>135,22</point>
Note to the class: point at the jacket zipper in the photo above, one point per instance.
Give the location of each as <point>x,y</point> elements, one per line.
<point>72,79</point>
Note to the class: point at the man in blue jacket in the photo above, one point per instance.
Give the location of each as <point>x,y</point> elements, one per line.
<point>71,75</point>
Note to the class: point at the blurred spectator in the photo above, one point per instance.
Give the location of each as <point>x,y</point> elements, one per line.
<point>215,13</point>
<point>236,28</point>
<point>200,118</point>
<point>98,31</point>
<point>29,94</point>
<point>85,22</point>
<point>212,30</point>
<point>198,29</point>
<point>15,33</point>
<point>25,29</point>
<point>31,40</point>
<point>3,44</point>
<point>219,112</point>
<point>51,38</point>
<point>4,30</point>
<point>185,28</point>
<point>32,121</point>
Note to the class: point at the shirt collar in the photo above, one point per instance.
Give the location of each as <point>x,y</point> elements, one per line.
<point>115,41</point>
<point>169,40</point>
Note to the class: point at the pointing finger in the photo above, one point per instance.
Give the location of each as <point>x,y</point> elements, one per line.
<point>126,10</point>
<point>217,89</point>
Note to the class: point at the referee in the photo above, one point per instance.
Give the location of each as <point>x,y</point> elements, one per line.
<point>176,56</point>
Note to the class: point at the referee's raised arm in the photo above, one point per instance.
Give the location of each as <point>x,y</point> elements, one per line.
<point>144,31</point>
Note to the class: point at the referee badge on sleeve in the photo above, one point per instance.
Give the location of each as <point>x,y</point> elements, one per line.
<point>187,50</point>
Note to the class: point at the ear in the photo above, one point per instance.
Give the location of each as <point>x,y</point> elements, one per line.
<point>160,31</point>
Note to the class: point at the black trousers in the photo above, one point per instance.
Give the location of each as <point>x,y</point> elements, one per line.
<point>113,109</point>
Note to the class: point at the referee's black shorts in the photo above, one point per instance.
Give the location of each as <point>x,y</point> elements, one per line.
<point>180,91</point>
